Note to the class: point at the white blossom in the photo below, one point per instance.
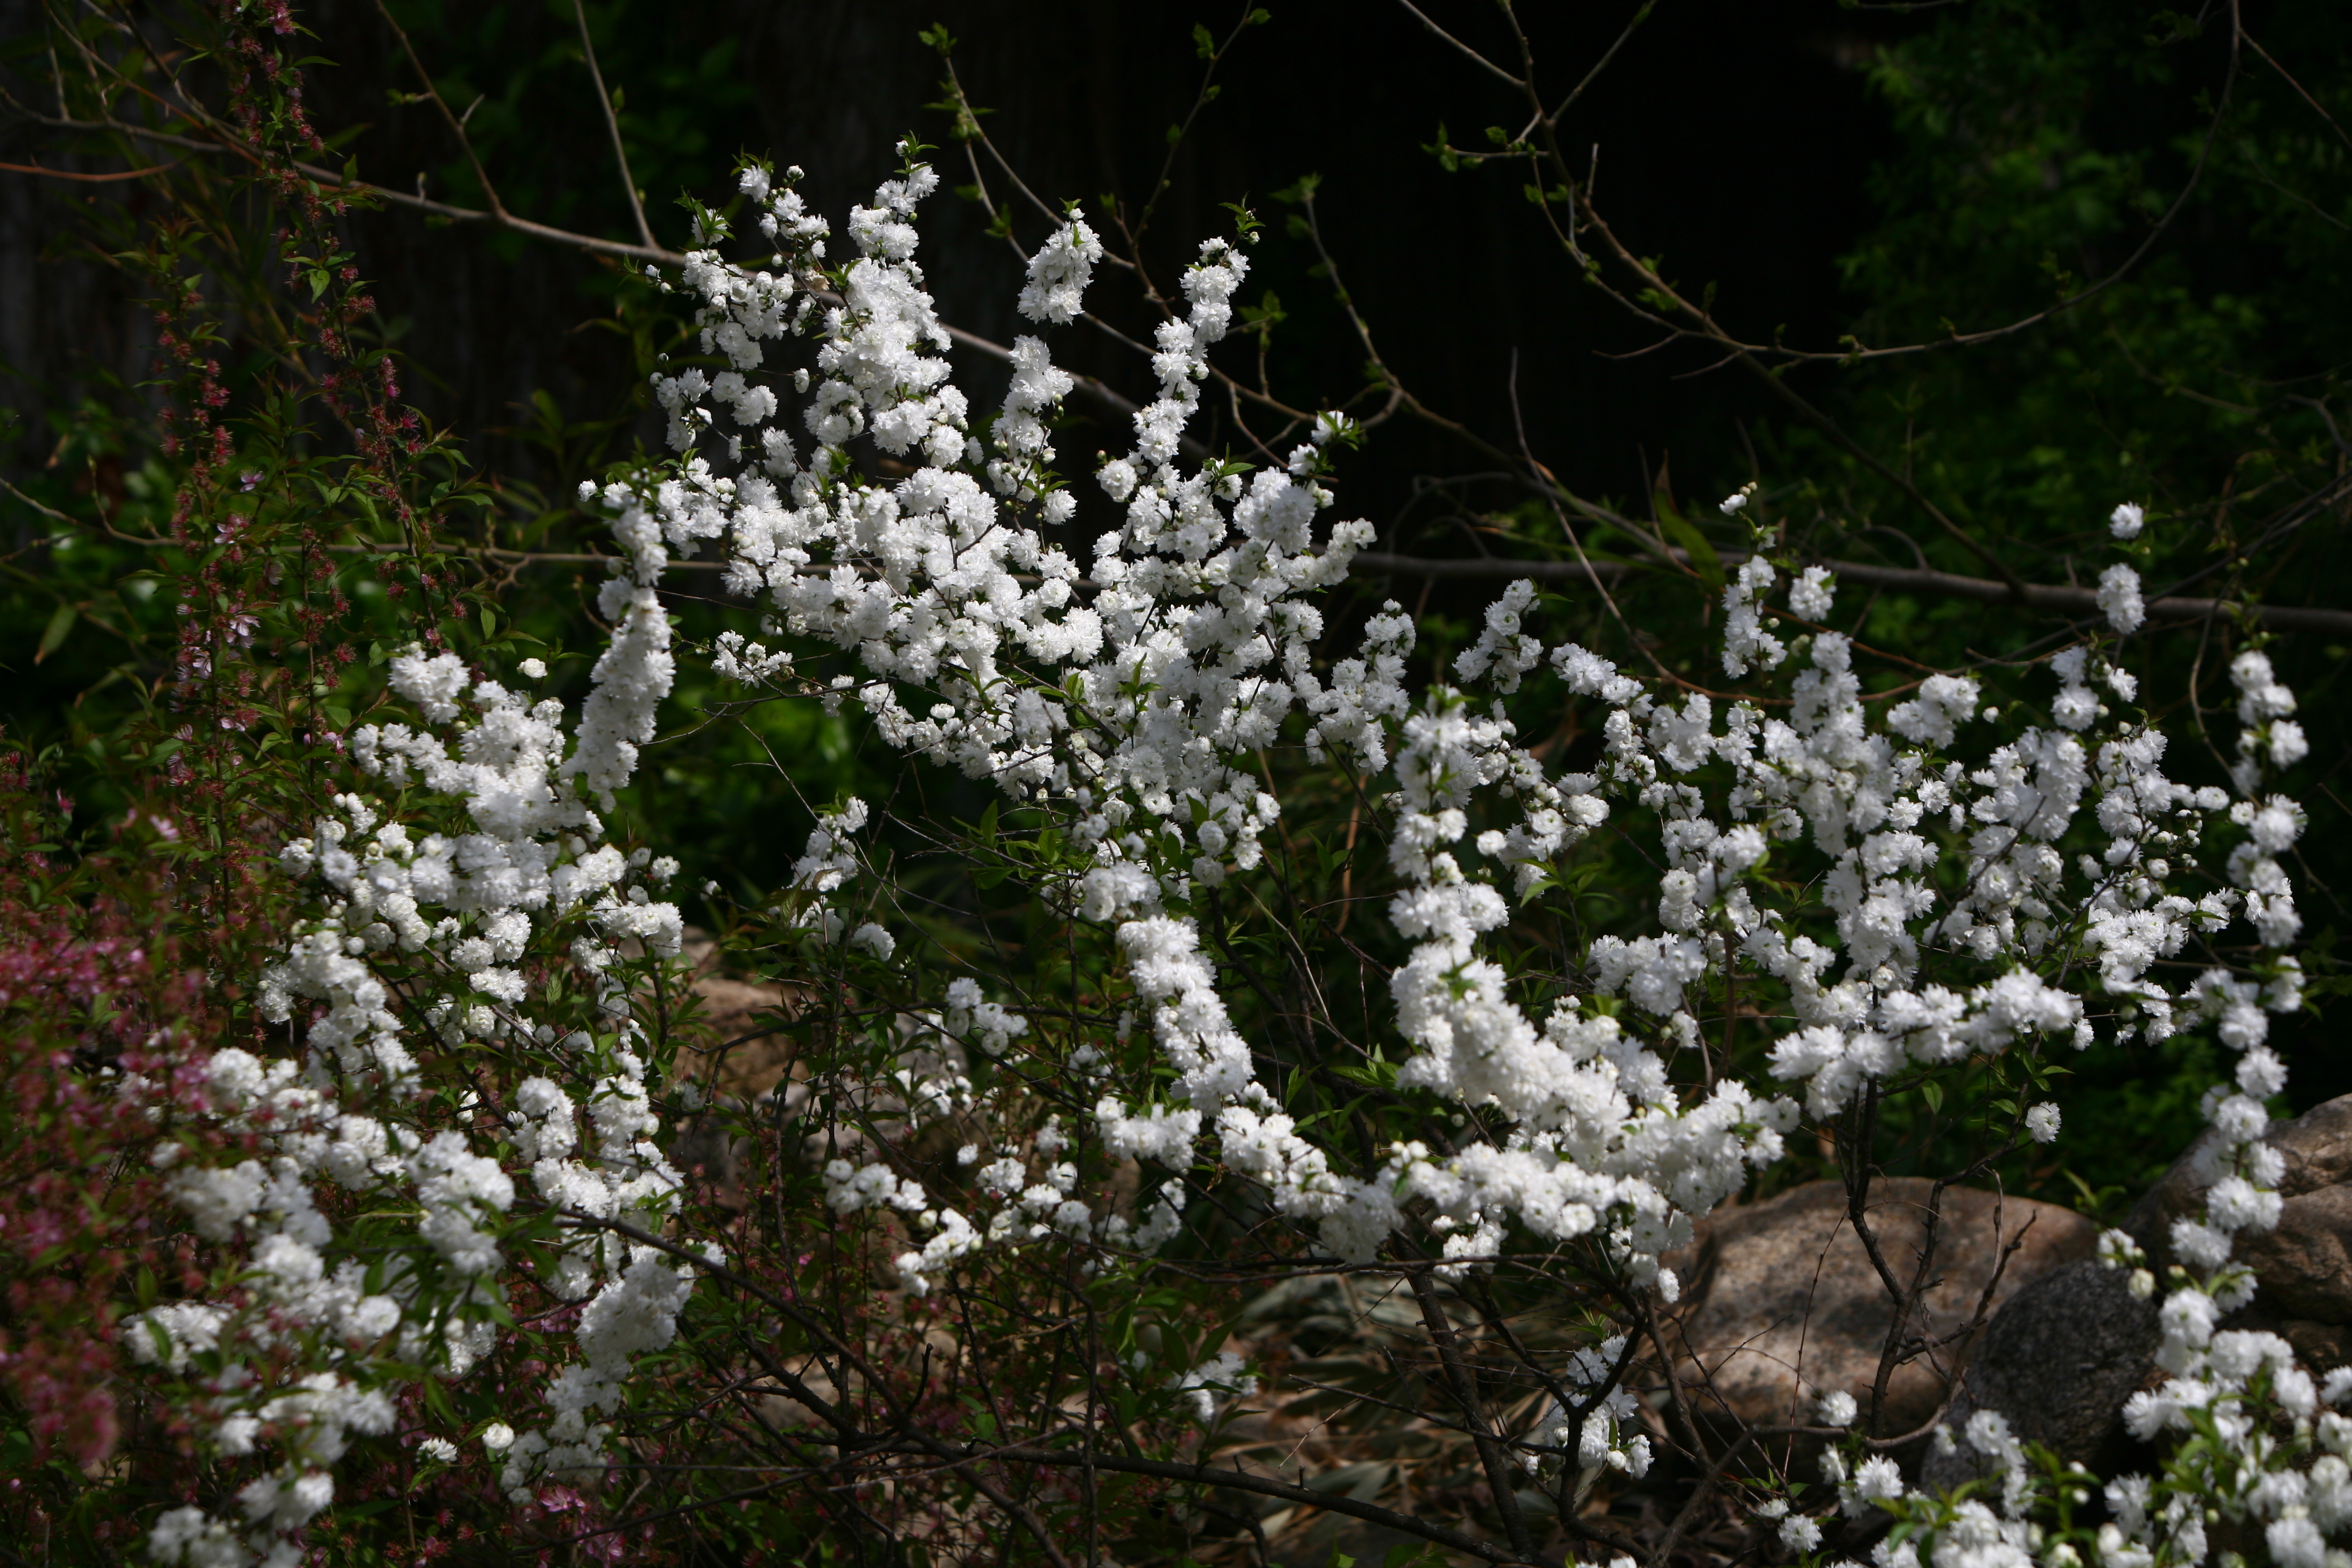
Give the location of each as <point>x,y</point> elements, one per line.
<point>2119,598</point>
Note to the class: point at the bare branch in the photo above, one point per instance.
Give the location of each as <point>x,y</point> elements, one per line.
<point>1472,55</point>
<point>91,179</point>
<point>457,123</point>
<point>2071,601</point>
<point>612,126</point>
<point>1497,1464</point>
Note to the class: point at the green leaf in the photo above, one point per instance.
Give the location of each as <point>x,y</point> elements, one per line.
<point>1203,41</point>
<point>1303,190</point>
<point>1443,152</point>
<point>1684,532</point>
<point>1933,1093</point>
<point>60,622</point>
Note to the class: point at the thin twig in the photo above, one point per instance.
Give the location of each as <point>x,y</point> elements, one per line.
<point>612,126</point>
<point>91,179</point>
<point>457,123</point>
<point>1497,1463</point>
<point>2055,597</point>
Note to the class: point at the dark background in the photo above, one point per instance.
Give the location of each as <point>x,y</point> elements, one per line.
<point>1881,171</point>
<point>1733,139</point>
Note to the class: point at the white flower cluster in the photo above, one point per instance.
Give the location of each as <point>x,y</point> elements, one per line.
<point>1135,708</point>
<point>1950,911</point>
<point>1059,273</point>
<point>1193,643</point>
<point>1597,1127</point>
<point>424,942</point>
<point>1221,1374</point>
<point>1600,1137</point>
<point>2119,598</point>
<point>1598,1431</point>
<point>2247,1434</point>
<point>1746,643</point>
<point>826,867</point>
<point>2267,732</point>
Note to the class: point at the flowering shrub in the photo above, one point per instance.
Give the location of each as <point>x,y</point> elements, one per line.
<point>464,1136</point>
<point>429,1168</point>
<point>85,980</point>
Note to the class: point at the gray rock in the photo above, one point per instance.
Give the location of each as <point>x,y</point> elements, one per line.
<point>1780,1302</point>
<point>2058,1360</point>
<point>2062,1356</point>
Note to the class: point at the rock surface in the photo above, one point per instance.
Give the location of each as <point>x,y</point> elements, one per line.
<point>1779,1302</point>
<point>2305,1264</point>
<point>2058,1360</point>
<point>738,1024</point>
<point>2062,1356</point>
<point>736,1050</point>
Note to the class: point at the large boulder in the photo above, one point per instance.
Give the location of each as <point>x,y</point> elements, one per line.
<point>2058,1360</point>
<point>2304,1265</point>
<point>1781,1303</point>
<point>739,1023</point>
<point>739,1053</point>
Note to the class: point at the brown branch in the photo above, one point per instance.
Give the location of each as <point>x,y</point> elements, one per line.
<point>612,126</point>
<point>1202,98</point>
<point>1243,1480</point>
<point>91,179</point>
<point>1476,58</point>
<point>329,179</point>
<point>1907,1309</point>
<point>917,1441</point>
<point>48,512</point>
<point>1855,353</point>
<point>2070,601</point>
<point>1699,1497</point>
<point>1497,1463</point>
<point>457,123</point>
<point>2300,91</point>
<point>1602,64</point>
<point>1697,322</point>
